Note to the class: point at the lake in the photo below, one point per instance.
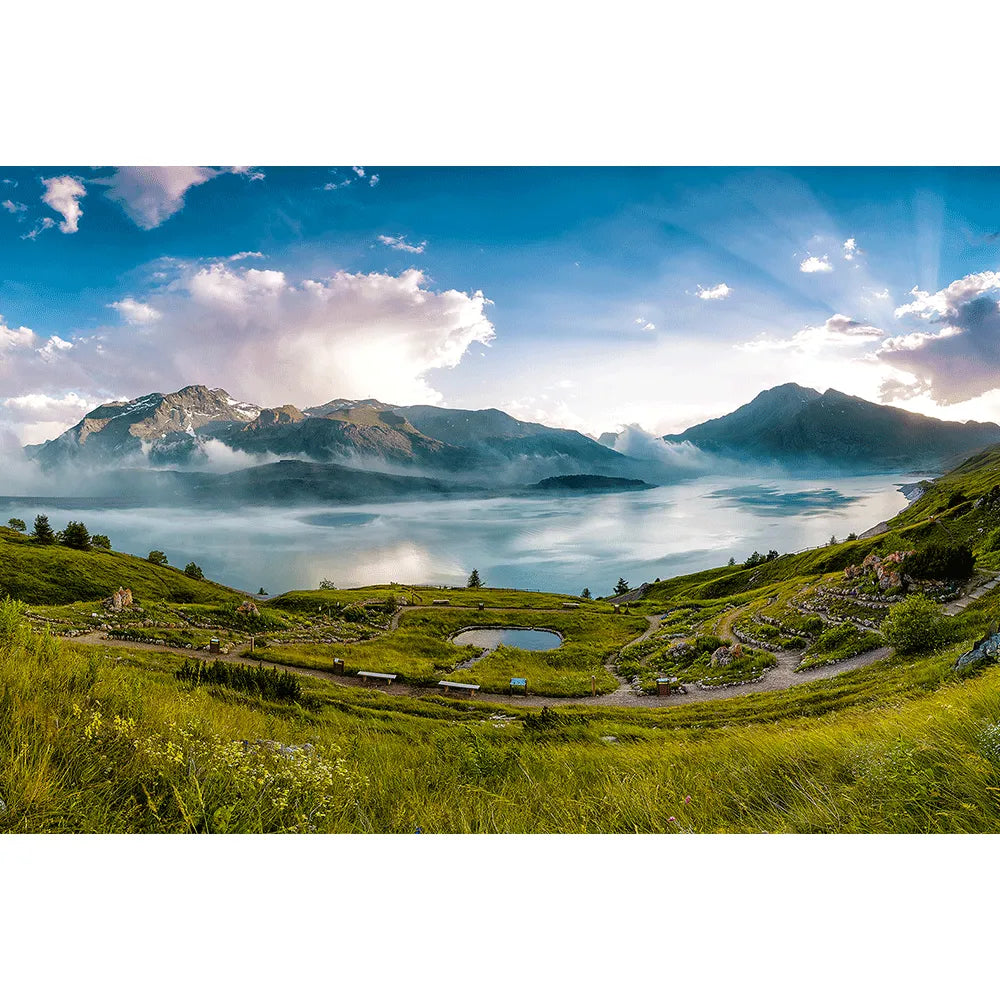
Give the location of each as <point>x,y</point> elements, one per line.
<point>556,543</point>
<point>536,639</point>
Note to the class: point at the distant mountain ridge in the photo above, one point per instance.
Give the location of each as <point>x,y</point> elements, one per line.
<point>792,423</point>
<point>176,429</point>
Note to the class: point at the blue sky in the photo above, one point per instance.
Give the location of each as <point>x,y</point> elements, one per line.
<point>608,296</point>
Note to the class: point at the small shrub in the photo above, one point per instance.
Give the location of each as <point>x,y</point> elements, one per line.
<point>276,684</point>
<point>915,625</point>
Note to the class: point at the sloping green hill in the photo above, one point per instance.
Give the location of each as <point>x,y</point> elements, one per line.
<point>54,574</point>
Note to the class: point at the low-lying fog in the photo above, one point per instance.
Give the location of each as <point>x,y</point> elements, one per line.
<point>553,543</point>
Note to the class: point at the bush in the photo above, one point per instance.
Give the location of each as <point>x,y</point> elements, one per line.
<point>327,585</point>
<point>100,542</point>
<point>941,561</point>
<point>193,570</point>
<point>915,625</point>
<point>157,558</point>
<point>16,524</point>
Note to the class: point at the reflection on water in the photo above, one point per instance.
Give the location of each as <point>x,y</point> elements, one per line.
<point>561,544</point>
<point>521,638</point>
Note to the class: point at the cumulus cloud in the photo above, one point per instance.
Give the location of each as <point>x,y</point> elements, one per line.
<point>62,195</point>
<point>720,291</point>
<point>14,207</point>
<point>264,338</point>
<point>851,249</point>
<point>136,312</point>
<point>150,195</point>
<point>837,332</point>
<point>42,416</point>
<point>814,265</point>
<point>12,339</point>
<point>958,360</point>
<point>399,243</point>
<point>644,323</point>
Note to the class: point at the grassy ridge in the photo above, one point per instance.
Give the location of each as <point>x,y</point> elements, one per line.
<point>54,574</point>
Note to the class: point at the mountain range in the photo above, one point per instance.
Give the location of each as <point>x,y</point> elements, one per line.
<point>349,450</point>
<point>793,424</point>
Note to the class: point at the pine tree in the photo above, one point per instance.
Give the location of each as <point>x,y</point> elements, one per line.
<point>43,533</point>
<point>621,587</point>
<point>100,542</point>
<point>586,593</point>
<point>474,580</point>
<point>193,570</point>
<point>76,536</point>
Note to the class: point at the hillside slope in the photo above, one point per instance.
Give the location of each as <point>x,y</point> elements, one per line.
<point>54,574</point>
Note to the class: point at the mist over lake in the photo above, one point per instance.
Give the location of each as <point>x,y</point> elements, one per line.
<point>557,543</point>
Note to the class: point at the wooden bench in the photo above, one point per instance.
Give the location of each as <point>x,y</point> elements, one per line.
<point>459,686</point>
<point>519,685</point>
<point>441,602</point>
<point>371,676</point>
<point>571,604</point>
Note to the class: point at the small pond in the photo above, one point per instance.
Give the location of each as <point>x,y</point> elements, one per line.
<point>521,638</point>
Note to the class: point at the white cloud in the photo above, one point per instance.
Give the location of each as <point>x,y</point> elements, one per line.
<point>946,301</point>
<point>360,171</point>
<point>644,323</point>
<point>336,185</point>
<point>244,254</point>
<point>720,291</point>
<point>813,265</point>
<point>958,361</point>
<point>266,339</point>
<point>136,312</point>
<point>12,339</point>
<point>251,173</point>
<point>62,195</point>
<point>373,180</point>
<point>14,207</point>
<point>53,347</point>
<point>150,195</point>
<point>40,226</point>
<point>884,295</point>
<point>851,249</point>
<point>838,331</point>
<point>399,243</point>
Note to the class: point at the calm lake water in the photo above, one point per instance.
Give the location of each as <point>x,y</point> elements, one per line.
<point>520,638</point>
<point>556,543</point>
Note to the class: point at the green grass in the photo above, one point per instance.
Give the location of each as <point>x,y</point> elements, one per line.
<point>313,600</point>
<point>56,575</point>
<point>417,659</point>
<point>839,642</point>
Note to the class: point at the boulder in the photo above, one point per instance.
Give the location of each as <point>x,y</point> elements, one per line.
<point>987,650</point>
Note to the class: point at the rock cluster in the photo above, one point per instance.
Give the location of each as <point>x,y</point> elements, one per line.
<point>248,608</point>
<point>886,570</point>
<point>987,650</point>
<point>119,600</point>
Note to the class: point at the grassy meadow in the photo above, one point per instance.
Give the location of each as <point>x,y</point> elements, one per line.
<point>91,741</point>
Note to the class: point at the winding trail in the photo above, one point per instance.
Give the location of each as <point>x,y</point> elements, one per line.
<point>783,675</point>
